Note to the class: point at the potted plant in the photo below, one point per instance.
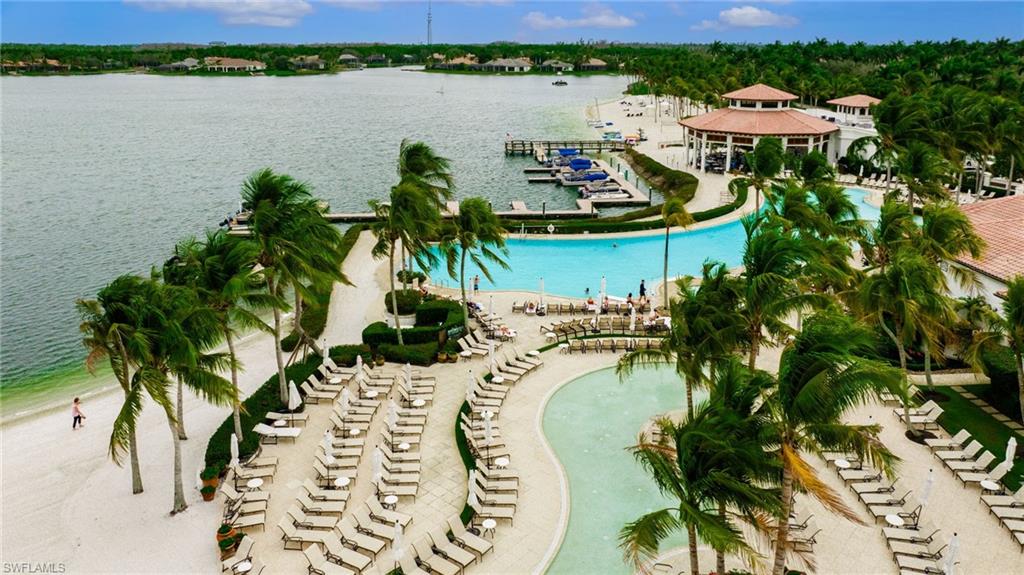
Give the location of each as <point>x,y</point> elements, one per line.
<point>210,476</point>
<point>226,531</point>
<point>209,492</point>
<point>379,360</point>
<point>442,357</point>
<point>227,547</point>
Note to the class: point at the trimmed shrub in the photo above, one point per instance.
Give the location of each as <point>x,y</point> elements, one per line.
<point>998,364</point>
<point>254,410</point>
<point>407,301</point>
<point>345,355</point>
<point>671,183</point>
<point>408,276</point>
<point>438,311</point>
<point>417,354</point>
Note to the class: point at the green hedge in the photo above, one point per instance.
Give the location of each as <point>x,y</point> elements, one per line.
<point>254,410</point>
<point>417,354</point>
<point>998,365</point>
<point>438,311</point>
<point>408,276</point>
<point>671,183</point>
<point>345,355</point>
<point>467,459</point>
<point>426,331</point>
<point>407,301</point>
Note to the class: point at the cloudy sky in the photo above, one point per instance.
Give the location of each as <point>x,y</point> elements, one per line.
<point>240,21</point>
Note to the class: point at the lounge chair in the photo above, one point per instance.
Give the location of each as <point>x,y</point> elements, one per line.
<point>494,499</point>
<point>409,565</point>
<point>494,512</point>
<point>892,498</point>
<point>239,507</point>
<point>351,536</point>
<point>339,462</point>
<point>324,387</point>
<point>468,540</point>
<point>293,535</point>
<point>495,474</point>
<point>319,565</point>
<point>972,449</point>
<point>242,553</point>
<point>919,565</point>
<point>923,534</point>
<point>326,476</point>
<point>244,474</point>
<point>873,487</point>
<point>400,466</point>
<point>425,555</point>
<point>996,475</point>
<point>451,551</point>
<point>270,434</point>
<point>930,550</point>
<point>318,494</point>
<point>339,554</point>
<point>314,396</point>
<point>980,464</point>
<point>860,475</point>
<point>310,521</point>
<point>243,522</point>
<point>368,526</point>
<point>321,506</point>
<point>292,418</point>
<point>466,346</point>
<point>378,513</point>
<point>233,494</point>
<point>1015,500</point>
<point>954,443</point>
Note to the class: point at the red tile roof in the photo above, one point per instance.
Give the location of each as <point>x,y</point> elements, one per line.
<point>855,101</point>
<point>1000,223</point>
<point>760,93</point>
<point>760,123</point>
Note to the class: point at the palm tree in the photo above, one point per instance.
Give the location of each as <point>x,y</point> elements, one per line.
<point>1007,327</point>
<point>820,377</point>
<point>220,269</point>
<point>706,327</point>
<point>285,223</point>
<point>421,166</point>
<point>765,162</point>
<point>408,219</point>
<point>674,213</point>
<point>475,233</point>
<point>946,234</point>
<point>923,171</point>
<point>110,328</point>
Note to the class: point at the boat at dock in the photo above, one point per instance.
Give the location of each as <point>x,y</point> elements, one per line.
<point>559,83</point>
<point>579,178</point>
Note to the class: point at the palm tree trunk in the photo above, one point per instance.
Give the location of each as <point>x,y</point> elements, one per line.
<point>691,535</point>
<point>1009,178</point>
<point>133,456</point>
<point>888,177</point>
<point>301,333</point>
<point>959,184</point>
<point>755,344</point>
<point>978,176</point>
<point>179,490</point>
<point>462,286</point>
<point>405,276</point>
<point>782,530</point>
<point>927,363</point>
<point>903,369</point>
<point>1020,379</point>
<point>719,554</point>
<point>664,285</point>
<point>234,383</point>
<point>689,398</point>
<point>282,382</point>
<point>181,412</point>
<point>394,296</point>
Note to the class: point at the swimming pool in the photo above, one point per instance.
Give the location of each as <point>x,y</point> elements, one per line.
<point>571,266</point>
<point>589,423</point>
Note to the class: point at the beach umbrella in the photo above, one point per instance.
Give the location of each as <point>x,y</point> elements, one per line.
<point>408,371</point>
<point>472,500</point>
<point>396,543</point>
<point>951,552</point>
<point>360,377</point>
<point>359,363</point>
<point>604,287</point>
<point>346,399</point>
<point>392,414</point>
<point>862,170</point>
<point>490,354</point>
<point>541,291</point>
<point>199,478</point>
<point>487,429</point>
<point>323,347</point>
<point>927,489</point>
<point>1011,451</point>
<point>407,385</point>
<point>378,462</point>
<point>328,441</point>
<point>632,319</point>
<point>490,306</point>
<point>294,399</point>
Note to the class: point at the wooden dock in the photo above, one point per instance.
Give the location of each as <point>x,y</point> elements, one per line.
<point>533,147</point>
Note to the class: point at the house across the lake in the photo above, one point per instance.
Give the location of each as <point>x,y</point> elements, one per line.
<point>507,65</point>
<point>377,60</point>
<point>186,65</point>
<point>593,65</point>
<point>467,62</point>
<point>556,66</point>
<point>349,60</point>
<point>307,63</point>
<point>219,64</point>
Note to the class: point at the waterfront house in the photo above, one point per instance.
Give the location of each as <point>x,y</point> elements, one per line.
<point>218,64</point>
<point>556,66</point>
<point>593,65</point>
<point>507,65</point>
<point>39,65</point>
<point>186,65</point>
<point>467,62</point>
<point>377,60</point>
<point>349,60</point>
<point>307,63</point>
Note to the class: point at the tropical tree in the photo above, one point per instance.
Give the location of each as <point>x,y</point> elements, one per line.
<point>1007,327</point>
<point>706,327</point>
<point>765,162</point>
<point>408,219</point>
<point>293,241</point>
<point>220,270</point>
<point>474,233</point>
<point>674,214</point>
<point>111,329</point>
<point>419,165</point>
<point>822,374</point>
<point>923,171</point>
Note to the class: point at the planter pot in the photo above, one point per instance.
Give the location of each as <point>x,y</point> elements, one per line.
<point>379,361</point>
<point>209,496</point>
<point>442,357</point>
<point>212,482</point>
<point>223,536</point>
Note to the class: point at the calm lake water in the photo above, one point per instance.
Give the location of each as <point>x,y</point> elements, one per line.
<point>103,174</point>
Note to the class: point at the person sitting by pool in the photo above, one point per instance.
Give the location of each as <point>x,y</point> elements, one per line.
<point>590,300</point>
<point>629,300</point>
<point>531,308</point>
<point>423,290</point>
<point>605,305</point>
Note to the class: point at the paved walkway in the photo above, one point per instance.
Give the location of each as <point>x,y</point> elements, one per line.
<point>1013,425</point>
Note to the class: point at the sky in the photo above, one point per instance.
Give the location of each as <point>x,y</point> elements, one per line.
<point>481,21</point>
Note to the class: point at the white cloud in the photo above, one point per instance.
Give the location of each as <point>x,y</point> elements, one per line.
<point>361,5</point>
<point>274,13</point>
<point>593,16</point>
<point>747,17</point>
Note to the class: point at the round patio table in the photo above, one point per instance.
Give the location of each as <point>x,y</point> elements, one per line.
<point>342,482</point>
<point>254,483</point>
<point>894,520</point>
<point>842,464</point>
<point>550,336</point>
<point>498,379</point>
<point>403,446</point>
<point>372,393</point>
<point>533,353</point>
<point>418,402</point>
<point>501,462</point>
<point>466,354</point>
<point>354,432</point>
<point>990,486</point>
<point>563,347</point>
<point>389,501</point>
<point>243,567</point>
<point>280,423</point>
<point>488,526</point>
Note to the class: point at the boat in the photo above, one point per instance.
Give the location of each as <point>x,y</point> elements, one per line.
<point>570,178</point>
<point>602,186</point>
<point>617,195</point>
<point>559,83</point>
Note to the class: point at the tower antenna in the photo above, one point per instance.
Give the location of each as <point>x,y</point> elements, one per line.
<point>430,21</point>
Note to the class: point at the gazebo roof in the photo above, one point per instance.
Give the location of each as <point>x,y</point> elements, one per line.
<point>760,123</point>
<point>855,101</point>
<point>998,222</point>
<point>760,93</point>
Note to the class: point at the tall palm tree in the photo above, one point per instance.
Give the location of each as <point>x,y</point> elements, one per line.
<point>820,377</point>
<point>1007,327</point>
<point>475,233</point>
<point>286,225</point>
<point>111,329</point>
<point>220,269</point>
<point>945,234</point>
<point>674,214</point>
<point>421,166</point>
<point>923,171</point>
<point>184,331</point>
<point>765,162</point>
<point>408,219</point>
<point>706,327</point>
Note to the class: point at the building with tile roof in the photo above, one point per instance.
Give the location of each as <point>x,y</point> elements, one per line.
<point>1000,222</point>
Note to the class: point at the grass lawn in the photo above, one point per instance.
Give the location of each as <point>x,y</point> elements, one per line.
<point>1006,403</point>
<point>959,413</point>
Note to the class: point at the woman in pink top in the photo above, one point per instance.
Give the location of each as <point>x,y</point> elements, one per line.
<point>76,415</point>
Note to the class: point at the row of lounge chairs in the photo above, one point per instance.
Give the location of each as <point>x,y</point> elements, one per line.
<point>476,343</point>
<point>606,324</point>
<point>571,309</point>
<point>613,345</point>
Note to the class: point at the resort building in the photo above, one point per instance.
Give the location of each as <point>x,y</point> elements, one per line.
<point>556,66</point>
<point>349,60</point>
<point>754,112</point>
<point>1000,222</point>
<point>218,64</point>
<point>186,65</point>
<point>853,116</point>
<point>593,65</point>
<point>507,65</point>
<point>855,110</point>
<point>307,63</point>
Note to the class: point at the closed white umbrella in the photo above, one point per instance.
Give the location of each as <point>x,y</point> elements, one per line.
<point>472,500</point>
<point>378,461</point>
<point>234,450</point>
<point>927,489</point>
<point>861,170</point>
<point>392,414</point>
<point>604,287</point>
<point>407,385</point>
<point>1011,451</point>
<point>323,347</point>
<point>488,435</point>
<point>328,441</point>
<point>490,306</point>
<point>951,552</point>
<point>346,399</point>
<point>360,377</point>
<point>490,354</point>
<point>541,291</point>
<point>396,543</point>
<point>408,371</point>
<point>294,399</point>
<point>199,478</point>
<point>632,319</point>
<point>359,363</point>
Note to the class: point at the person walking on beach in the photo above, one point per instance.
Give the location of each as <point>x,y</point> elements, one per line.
<point>77,416</point>
<point>643,289</point>
<point>476,284</point>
